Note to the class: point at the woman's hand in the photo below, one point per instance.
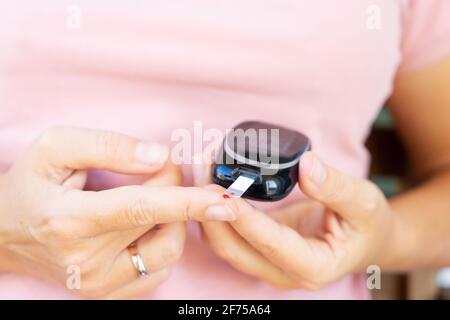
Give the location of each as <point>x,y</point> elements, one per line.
<point>288,251</point>
<point>49,225</point>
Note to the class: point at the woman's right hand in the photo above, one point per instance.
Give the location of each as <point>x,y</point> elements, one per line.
<point>49,225</point>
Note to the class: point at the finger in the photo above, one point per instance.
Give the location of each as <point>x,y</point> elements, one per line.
<point>280,244</point>
<point>308,261</point>
<point>353,199</point>
<point>305,217</point>
<point>117,241</point>
<point>159,250</point>
<point>86,213</point>
<point>169,175</point>
<point>76,148</point>
<point>76,181</point>
<point>230,246</point>
<point>140,286</point>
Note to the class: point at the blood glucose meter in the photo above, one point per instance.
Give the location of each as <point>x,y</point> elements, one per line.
<point>259,161</point>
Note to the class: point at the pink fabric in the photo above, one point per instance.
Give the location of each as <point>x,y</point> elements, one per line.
<point>146,68</point>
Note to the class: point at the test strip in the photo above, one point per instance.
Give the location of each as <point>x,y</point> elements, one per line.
<point>239,186</point>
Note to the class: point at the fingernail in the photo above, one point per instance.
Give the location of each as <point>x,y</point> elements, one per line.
<point>313,168</point>
<point>220,213</point>
<point>151,153</point>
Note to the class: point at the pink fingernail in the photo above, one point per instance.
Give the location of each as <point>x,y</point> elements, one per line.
<point>312,167</point>
<point>220,213</point>
<point>151,153</point>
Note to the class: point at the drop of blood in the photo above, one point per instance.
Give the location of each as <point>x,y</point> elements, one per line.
<point>226,196</point>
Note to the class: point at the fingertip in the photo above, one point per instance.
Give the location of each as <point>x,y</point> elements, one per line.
<point>151,153</point>
<point>308,187</point>
<point>312,169</point>
<point>306,163</point>
<point>226,209</point>
<point>306,182</point>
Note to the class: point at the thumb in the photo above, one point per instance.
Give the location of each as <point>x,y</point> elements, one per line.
<point>355,200</point>
<point>79,149</point>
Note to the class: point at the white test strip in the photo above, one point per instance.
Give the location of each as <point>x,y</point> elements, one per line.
<point>239,186</point>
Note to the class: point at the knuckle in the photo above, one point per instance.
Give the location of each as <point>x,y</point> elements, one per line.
<point>188,213</point>
<point>109,144</point>
<point>186,205</point>
<point>57,234</point>
<point>172,252</point>
<point>48,137</point>
<point>54,230</point>
<point>67,260</point>
<point>169,255</point>
<point>140,212</point>
<point>270,242</point>
<point>225,251</point>
<point>269,249</point>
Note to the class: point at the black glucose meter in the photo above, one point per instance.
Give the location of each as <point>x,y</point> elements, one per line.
<point>259,161</point>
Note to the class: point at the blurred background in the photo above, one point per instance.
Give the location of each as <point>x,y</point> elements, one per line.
<point>389,171</point>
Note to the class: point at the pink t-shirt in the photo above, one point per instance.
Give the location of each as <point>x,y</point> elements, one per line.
<point>146,68</point>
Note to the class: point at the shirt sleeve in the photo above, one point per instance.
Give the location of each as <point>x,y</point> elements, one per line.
<point>426,33</point>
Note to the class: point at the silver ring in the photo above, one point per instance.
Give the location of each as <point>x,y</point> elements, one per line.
<point>137,260</point>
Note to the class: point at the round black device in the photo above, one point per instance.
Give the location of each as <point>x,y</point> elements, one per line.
<point>266,153</point>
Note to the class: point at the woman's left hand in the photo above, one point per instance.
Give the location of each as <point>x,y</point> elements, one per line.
<point>285,250</point>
